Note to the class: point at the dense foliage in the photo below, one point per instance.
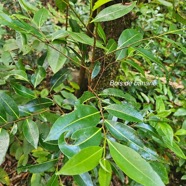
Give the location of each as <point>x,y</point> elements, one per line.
<point>131,133</point>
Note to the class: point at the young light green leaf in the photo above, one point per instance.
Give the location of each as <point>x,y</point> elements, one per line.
<point>133,165</point>
<point>83,116</point>
<point>31,132</point>
<point>40,17</point>
<point>4,143</point>
<point>125,112</point>
<point>129,37</point>
<point>96,70</point>
<point>100,3</point>
<point>9,105</point>
<point>105,173</point>
<point>39,75</point>
<point>23,91</point>
<point>114,12</point>
<point>84,161</point>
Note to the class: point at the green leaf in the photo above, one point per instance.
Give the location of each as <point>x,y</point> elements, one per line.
<point>4,144</point>
<point>96,70</point>
<point>59,78</point>
<point>125,112</point>
<point>38,104</point>
<point>27,6</point>
<point>111,46</point>
<point>165,131</point>
<point>31,132</point>
<point>180,112</point>
<point>60,34</point>
<point>113,92</point>
<point>86,97</point>
<point>85,39</point>
<point>180,132</point>
<point>39,75</point>
<point>84,161</point>
<point>101,32</point>
<point>4,178</point>
<point>113,12</point>
<point>9,105</point>
<point>38,168</point>
<point>55,59</point>
<point>129,37</point>
<point>84,116</point>
<point>18,74</point>
<point>160,106</point>
<point>53,181</point>
<point>133,165</point>
<point>165,3</point>
<point>105,173</point>
<point>2,113</point>
<point>23,91</point>
<point>125,133</point>
<point>40,17</point>
<point>99,3</point>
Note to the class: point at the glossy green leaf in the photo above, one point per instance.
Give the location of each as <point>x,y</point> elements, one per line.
<point>53,181</point>
<point>105,173</point>
<point>2,113</point>
<point>83,179</point>
<point>86,97</point>
<point>101,32</point>
<point>166,131</point>
<point>59,78</point>
<point>180,112</point>
<point>55,59</point>
<point>4,144</point>
<point>113,92</point>
<point>85,39</point>
<point>40,17</point>
<point>38,104</point>
<point>180,132</point>
<point>100,3</point>
<point>31,132</point>
<point>96,70</point>
<point>90,136</point>
<point>84,116</point>
<point>18,74</point>
<point>60,34</point>
<point>23,91</point>
<point>39,75</point>
<point>128,38</point>
<point>111,46</point>
<point>133,165</point>
<point>114,12</point>
<point>9,105</point>
<point>39,168</point>
<point>125,133</point>
<point>84,161</point>
<point>125,112</point>
<point>27,6</point>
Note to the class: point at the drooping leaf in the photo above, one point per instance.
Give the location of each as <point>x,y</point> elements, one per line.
<point>125,112</point>
<point>114,12</point>
<point>31,132</point>
<point>38,104</point>
<point>40,17</point>
<point>96,70</point>
<point>23,91</point>
<point>39,75</point>
<point>105,173</point>
<point>9,105</point>
<point>83,116</point>
<point>128,38</point>
<point>125,133</point>
<point>18,74</point>
<point>38,168</point>
<point>101,33</point>
<point>133,165</point>
<point>84,161</point>
<point>4,143</point>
